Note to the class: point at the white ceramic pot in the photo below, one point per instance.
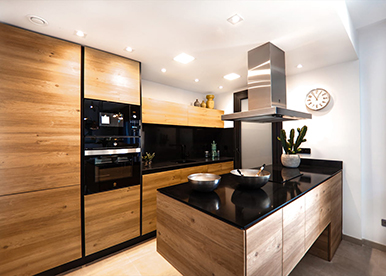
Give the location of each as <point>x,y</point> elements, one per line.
<point>290,160</point>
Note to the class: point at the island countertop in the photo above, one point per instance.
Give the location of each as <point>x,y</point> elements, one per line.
<point>243,208</point>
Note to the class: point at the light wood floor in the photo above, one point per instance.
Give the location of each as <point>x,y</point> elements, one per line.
<point>350,260</point>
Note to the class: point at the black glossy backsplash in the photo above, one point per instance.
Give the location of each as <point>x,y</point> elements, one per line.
<point>181,142</point>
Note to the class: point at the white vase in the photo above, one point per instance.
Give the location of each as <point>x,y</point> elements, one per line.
<point>290,160</point>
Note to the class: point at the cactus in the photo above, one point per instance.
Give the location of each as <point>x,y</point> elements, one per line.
<point>288,145</point>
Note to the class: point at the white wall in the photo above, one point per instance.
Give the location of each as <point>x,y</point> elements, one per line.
<point>159,91</point>
<point>372,53</point>
<point>224,101</point>
<point>334,132</point>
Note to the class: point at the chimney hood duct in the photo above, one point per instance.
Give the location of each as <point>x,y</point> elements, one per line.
<point>266,89</point>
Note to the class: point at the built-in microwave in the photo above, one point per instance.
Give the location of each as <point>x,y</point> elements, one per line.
<point>104,118</point>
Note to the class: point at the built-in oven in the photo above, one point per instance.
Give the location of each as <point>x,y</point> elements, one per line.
<point>112,146</point>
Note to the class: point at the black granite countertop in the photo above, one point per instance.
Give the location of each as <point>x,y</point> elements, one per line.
<point>177,164</point>
<point>243,208</point>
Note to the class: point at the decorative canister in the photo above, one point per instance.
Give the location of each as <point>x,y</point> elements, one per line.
<point>203,104</point>
<point>290,160</point>
<point>196,103</point>
<point>210,102</point>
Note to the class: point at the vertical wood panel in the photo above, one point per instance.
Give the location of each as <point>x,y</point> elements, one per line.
<point>111,218</point>
<point>39,230</point>
<point>336,215</point>
<point>293,234</point>
<point>110,77</point>
<point>264,246</point>
<point>312,201</point>
<point>39,111</point>
<point>196,243</point>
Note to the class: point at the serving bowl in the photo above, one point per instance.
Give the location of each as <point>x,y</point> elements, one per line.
<point>204,182</point>
<point>249,179</point>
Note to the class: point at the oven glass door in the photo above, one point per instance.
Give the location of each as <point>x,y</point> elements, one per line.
<point>104,171</point>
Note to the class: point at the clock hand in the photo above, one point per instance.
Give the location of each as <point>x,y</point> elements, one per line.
<point>312,92</point>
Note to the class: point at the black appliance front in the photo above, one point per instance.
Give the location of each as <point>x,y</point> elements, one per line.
<point>103,118</point>
<point>108,169</point>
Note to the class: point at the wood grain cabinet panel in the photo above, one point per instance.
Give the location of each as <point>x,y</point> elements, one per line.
<point>313,207</point>
<point>221,168</point>
<point>335,184</point>
<point>150,184</point>
<point>205,117</point>
<point>39,230</point>
<point>293,234</point>
<point>39,111</point>
<point>264,243</point>
<point>164,113</point>
<point>109,77</point>
<point>111,218</point>
<point>196,243</point>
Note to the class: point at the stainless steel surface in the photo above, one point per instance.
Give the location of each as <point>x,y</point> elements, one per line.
<point>266,115</point>
<point>204,182</point>
<point>266,88</point>
<point>111,151</point>
<point>250,180</point>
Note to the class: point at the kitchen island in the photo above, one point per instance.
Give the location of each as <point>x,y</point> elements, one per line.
<point>267,231</point>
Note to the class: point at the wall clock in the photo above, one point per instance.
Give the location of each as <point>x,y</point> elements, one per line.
<point>317,99</point>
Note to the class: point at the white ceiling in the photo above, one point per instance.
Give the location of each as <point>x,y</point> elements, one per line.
<point>310,33</point>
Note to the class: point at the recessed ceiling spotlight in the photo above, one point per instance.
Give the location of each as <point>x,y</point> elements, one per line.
<point>234,19</point>
<point>163,70</point>
<point>37,20</point>
<point>299,66</point>
<point>220,87</point>
<point>196,80</point>
<point>129,49</point>
<point>80,33</point>
<point>184,58</point>
<point>232,76</point>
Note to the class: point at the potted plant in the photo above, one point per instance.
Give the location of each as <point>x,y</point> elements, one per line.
<point>290,158</point>
<point>147,158</point>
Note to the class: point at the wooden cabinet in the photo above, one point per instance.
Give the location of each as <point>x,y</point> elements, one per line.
<point>111,218</point>
<point>205,117</point>
<point>293,234</point>
<point>39,230</point>
<point>110,77</point>
<point>313,207</point>
<point>168,113</point>
<point>154,181</point>
<point>39,111</point>
<point>264,243</point>
<point>335,186</point>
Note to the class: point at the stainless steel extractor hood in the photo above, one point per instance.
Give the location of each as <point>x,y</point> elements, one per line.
<point>267,100</point>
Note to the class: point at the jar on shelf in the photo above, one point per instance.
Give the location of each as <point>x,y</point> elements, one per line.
<point>196,103</point>
<point>203,104</point>
<point>210,102</point>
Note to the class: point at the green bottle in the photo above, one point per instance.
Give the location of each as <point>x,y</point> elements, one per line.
<point>214,150</point>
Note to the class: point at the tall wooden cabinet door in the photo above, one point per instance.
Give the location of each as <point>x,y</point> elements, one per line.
<point>150,184</point>
<point>109,77</point>
<point>39,111</point>
<point>39,230</point>
<point>264,243</point>
<point>293,234</point>
<point>111,218</point>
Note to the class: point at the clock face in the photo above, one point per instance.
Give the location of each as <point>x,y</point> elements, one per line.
<point>317,99</point>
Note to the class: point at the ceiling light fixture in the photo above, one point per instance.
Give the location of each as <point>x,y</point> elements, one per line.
<point>232,76</point>
<point>234,19</point>
<point>299,66</point>
<point>220,87</point>
<point>80,33</point>
<point>196,80</point>
<point>184,58</point>
<point>129,49</point>
<point>163,70</point>
<point>37,20</point>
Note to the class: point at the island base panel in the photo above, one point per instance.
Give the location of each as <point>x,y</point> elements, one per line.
<point>196,243</point>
